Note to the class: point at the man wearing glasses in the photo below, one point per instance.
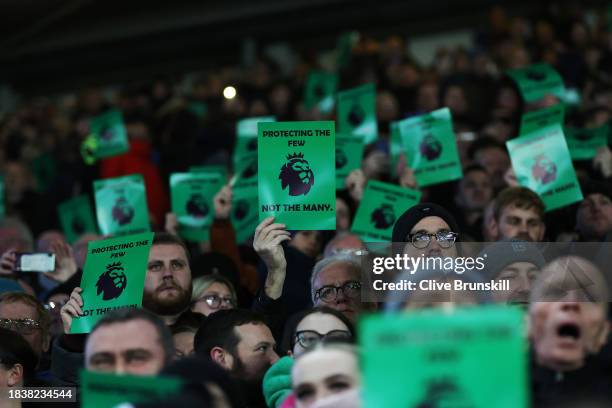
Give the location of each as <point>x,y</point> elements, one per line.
<point>25,315</point>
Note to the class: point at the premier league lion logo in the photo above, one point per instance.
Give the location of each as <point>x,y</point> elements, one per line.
<point>383,217</point>
<point>107,133</point>
<point>535,75</point>
<point>544,170</point>
<point>241,209</point>
<point>196,206</point>
<point>430,147</point>
<point>341,159</point>
<point>113,282</point>
<point>122,211</point>
<point>252,145</point>
<point>250,170</point>
<point>77,225</point>
<point>297,175</point>
<point>356,115</point>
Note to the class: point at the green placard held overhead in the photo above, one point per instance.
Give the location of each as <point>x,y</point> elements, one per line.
<point>244,215</point>
<point>475,357</point>
<point>320,91</point>
<point>381,205</point>
<point>431,148</point>
<point>536,81</point>
<point>246,136</point>
<point>121,205</point>
<point>357,112</point>
<point>113,277</point>
<point>76,217</point>
<point>110,134</point>
<point>192,202</point>
<point>542,163</point>
<point>102,390</point>
<point>349,152</point>
<point>541,118</point>
<point>297,174</point>
<point>584,143</point>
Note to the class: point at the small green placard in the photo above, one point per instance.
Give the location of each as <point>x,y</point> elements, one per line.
<point>320,91</point>
<point>475,357</point>
<point>349,152</point>
<point>192,201</point>
<point>542,163</point>
<point>121,205</point>
<point>541,118</point>
<point>110,134</point>
<point>357,112</point>
<point>381,205</point>
<point>113,277</point>
<point>536,81</point>
<point>246,136</point>
<point>244,215</point>
<point>101,390</point>
<point>297,174</point>
<point>76,217</point>
<point>583,143</point>
<point>431,147</point>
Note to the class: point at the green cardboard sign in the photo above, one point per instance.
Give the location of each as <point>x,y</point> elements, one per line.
<point>113,277</point>
<point>121,205</point>
<point>110,133</point>
<point>244,215</point>
<point>245,172</point>
<point>76,217</point>
<point>380,207</point>
<point>320,91</point>
<point>246,136</point>
<point>475,357</point>
<point>536,81</point>
<point>212,168</point>
<point>395,147</point>
<point>357,112</point>
<point>542,118</point>
<point>431,147</point>
<point>349,152</point>
<point>583,143</point>
<point>297,174</point>
<point>542,163</point>
<point>102,390</point>
<point>192,201</point>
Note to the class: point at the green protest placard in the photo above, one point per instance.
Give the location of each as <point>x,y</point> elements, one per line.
<point>395,147</point>
<point>320,91</point>
<point>245,172</point>
<point>246,136</point>
<point>102,390</point>
<point>110,133</point>
<point>121,205</point>
<point>381,205</point>
<point>297,174</point>
<point>113,277</point>
<point>532,121</point>
<point>212,168</point>
<point>349,152</point>
<point>475,357</point>
<point>583,143</point>
<point>192,201</point>
<point>244,215</point>
<point>431,147</point>
<point>542,163</point>
<point>536,81</point>
<point>76,217</point>
<point>357,112</point>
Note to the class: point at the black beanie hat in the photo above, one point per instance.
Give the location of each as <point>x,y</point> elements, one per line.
<point>503,253</point>
<point>413,215</point>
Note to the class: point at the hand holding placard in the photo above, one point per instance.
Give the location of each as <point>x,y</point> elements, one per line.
<point>267,243</point>
<point>73,308</point>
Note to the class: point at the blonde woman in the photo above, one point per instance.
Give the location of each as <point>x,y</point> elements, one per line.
<point>212,293</point>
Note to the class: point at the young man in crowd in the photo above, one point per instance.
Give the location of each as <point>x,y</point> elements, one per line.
<point>594,214</point>
<point>518,213</point>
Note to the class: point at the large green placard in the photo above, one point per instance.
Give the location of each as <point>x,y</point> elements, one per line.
<point>542,163</point>
<point>381,205</point>
<point>113,277</point>
<point>121,205</point>
<point>476,358</point>
<point>536,81</point>
<point>297,174</point>
<point>431,147</point>
<point>76,217</point>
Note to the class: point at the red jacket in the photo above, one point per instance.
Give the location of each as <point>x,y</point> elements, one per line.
<point>138,160</point>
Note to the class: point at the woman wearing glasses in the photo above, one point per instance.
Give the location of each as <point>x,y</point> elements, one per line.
<point>212,293</point>
<point>303,332</point>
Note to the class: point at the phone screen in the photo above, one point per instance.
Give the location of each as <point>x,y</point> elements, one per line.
<point>39,262</point>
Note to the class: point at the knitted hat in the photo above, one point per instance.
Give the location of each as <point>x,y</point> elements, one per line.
<point>503,253</point>
<point>277,382</point>
<point>413,215</point>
